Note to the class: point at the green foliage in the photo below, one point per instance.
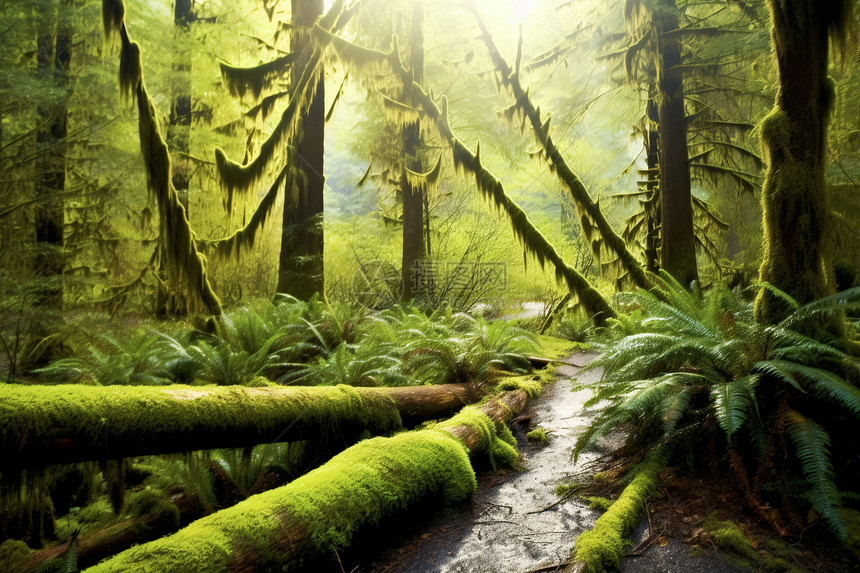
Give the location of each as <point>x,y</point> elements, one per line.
<point>700,368</point>
<point>136,361</point>
<point>539,436</point>
<point>472,349</point>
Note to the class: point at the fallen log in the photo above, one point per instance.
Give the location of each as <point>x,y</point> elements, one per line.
<point>73,423</point>
<point>321,511</point>
<point>91,549</point>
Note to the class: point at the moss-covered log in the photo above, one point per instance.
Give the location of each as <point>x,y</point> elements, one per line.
<point>601,548</point>
<point>321,511</point>
<point>72,423</point>
<point>597,229</point>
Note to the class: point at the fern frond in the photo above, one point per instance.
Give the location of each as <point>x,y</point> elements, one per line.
<point>812,446</point>
<point>734,402</point>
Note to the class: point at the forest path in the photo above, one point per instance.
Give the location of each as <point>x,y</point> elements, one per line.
<point>515,524</point>
<point>506,529</point>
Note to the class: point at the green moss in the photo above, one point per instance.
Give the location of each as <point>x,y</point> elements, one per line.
<point>107,417</point>
<point>530,383</point>
<point>501,448</point>
<point>539,436</point>
<point>554,347</point>
<point>13,553</point>
<point>360,486</point>
<point>86,519</point>
<point>727,535</point>
<point>602,548</point>
<point>775,556</point>
<point>598,503</point>
<point>564,489</point>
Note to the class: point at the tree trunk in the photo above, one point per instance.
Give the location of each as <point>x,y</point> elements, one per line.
<point>413,197</point>
<point>178,140</point>
<point>794,199</point>
<point>321,511</point>
<point>53,56</point>
<point>301,272</point>
<point>678,256</point>
<point>652,207</point>
<point>74,423</point>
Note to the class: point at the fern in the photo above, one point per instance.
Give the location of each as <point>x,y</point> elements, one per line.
<point>812,446</point>
<point>681,344</point>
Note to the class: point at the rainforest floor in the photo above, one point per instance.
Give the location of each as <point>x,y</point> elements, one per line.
<point>515,522</point>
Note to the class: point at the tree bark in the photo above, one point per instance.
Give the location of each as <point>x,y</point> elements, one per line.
<point>301,272</point>
<point>178,140</point>
<point>652,207</point>
<point>66,424</point>
<point>414,248</point>
<point>678,256</point>
<point>321,510</point>
<point>53,56</point>
<point>794,198</point>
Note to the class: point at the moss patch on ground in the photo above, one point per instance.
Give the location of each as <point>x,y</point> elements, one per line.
<point>553,347</point>
<point>538,436</point>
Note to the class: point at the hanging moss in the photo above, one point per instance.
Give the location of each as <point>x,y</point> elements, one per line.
<point>113,15</point>
<point>240,80</point>
<point>242,176</point>
<point>534,244</point>
<point>605,241</point>
<point>245,237</point>
<point>186,266</point>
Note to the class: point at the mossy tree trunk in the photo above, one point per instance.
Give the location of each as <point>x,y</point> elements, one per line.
<point>178,140</point>
<point>678,255</point>
<point>794,199</point>
<point>53,56</point>
<point>414,248</point>
<point>301,271</point>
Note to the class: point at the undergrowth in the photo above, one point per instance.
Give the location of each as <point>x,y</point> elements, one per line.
<point>691,376</point>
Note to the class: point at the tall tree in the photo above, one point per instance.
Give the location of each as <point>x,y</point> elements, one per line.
<point>414,247</point>
<point>678,254</point>
<point>301,271</point>
<point>53,56</point>
<point>794,197</point>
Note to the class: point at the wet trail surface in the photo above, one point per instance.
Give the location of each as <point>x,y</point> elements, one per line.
<point>516,524</point>
<point>511,527</point>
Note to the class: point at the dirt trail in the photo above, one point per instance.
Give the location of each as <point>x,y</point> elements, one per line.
<point>515,525</point>
<point>506,531</point>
